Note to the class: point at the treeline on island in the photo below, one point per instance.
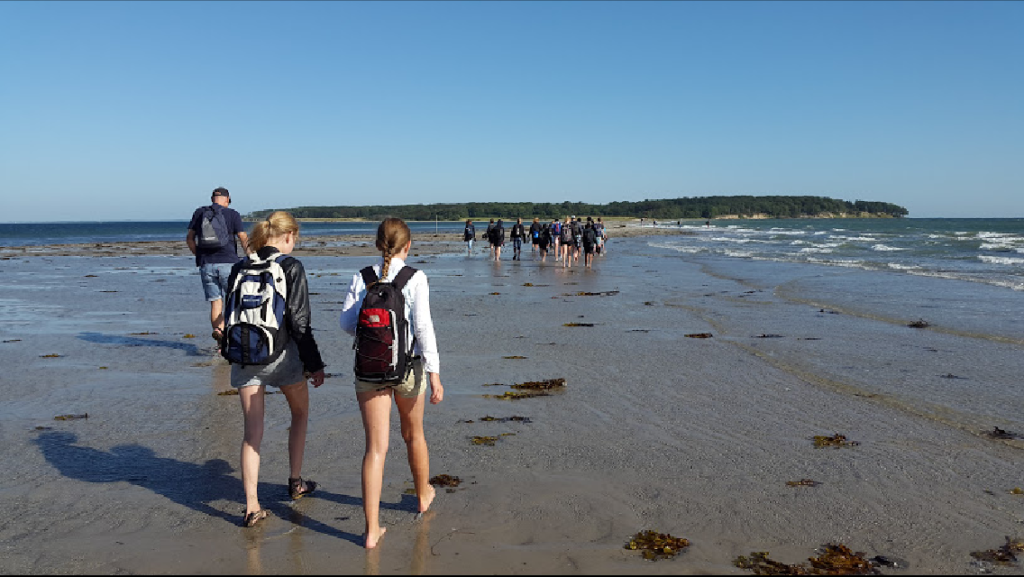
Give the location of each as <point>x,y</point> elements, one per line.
<point>701,207</point>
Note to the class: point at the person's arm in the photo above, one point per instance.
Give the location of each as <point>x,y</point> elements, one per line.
<point>245,241</point>
<point>190,240</point>
<point>353,300</point>
<point>423,329</point>
<point>299,327</point>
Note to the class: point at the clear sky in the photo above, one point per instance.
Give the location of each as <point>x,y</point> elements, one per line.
<point>137,110</point>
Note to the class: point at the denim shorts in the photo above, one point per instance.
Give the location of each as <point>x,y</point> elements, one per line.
<point>215,277</point>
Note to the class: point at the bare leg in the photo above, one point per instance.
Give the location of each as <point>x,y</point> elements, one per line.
<point>411,413</point>
<point>252,412</point>
<point>375,407</point>
<point>297,395</point>
<point>217,314</point>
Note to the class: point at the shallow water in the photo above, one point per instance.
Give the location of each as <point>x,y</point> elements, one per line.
<point>655,429</point>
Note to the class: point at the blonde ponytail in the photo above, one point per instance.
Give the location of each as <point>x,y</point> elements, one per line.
<point>276,224</point>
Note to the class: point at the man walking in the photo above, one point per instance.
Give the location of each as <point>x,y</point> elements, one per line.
<point>211,238</point>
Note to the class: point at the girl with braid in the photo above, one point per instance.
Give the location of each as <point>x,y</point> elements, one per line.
<point>394,241</point>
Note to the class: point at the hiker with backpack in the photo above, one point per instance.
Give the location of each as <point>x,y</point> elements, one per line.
<point>497,239</point>
<point>517,234</point>
<point>589,243</point>
<point>535,229</point>
<point>468,235</point>
<point>211,238</point>
<point>268,339</point>
<point>387,309</point>
<point>543,241</point>
<point>567,243</point>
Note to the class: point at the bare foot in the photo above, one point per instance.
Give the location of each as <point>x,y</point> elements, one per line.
<point>371,539</point>
<point>426,500</point>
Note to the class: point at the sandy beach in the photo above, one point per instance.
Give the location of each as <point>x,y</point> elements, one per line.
<point>655,429</point>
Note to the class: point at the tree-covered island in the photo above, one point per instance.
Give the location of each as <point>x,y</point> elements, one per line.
<point>700,207</point>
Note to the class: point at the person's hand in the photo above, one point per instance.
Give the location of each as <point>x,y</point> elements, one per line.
<point>316,379</point>
<point>436,389</point>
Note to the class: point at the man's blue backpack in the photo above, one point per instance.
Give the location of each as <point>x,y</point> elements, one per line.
<point>213,229</point>
<point>254,310</point>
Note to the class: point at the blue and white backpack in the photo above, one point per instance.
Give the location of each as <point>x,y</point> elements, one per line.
<point>254,310</point>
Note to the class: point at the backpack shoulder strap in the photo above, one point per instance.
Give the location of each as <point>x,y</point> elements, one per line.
<point>403,277</point>
<point>369,276</point>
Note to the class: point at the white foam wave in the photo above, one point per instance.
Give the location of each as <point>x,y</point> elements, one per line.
<point>816,249</point>
<point>1001,260</point>
<point>903,267</point>
<point>885,248</point>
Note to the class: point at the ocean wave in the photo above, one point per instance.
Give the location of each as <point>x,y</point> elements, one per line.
<point>903,267</point>
<point>1001,260</point>
<point>816,249</point>
<point>855,238</point>
<point>886,248</point>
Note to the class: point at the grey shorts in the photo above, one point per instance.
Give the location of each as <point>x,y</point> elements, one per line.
<point>285,370</point>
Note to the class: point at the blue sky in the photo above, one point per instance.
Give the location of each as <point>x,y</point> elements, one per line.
<point>137,110</point>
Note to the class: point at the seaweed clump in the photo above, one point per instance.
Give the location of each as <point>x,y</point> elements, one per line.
<point>489,440</point>
<point>445,481</point>
<point>514,357</point>
<point>699,335</point>
<point>541,385</point>
<point>918,324</point>
<point>836,441</point>
<point>835,560</point>
<point>654,545</point>
<point>997,433</point>
<point>1004,555</point>
<point>71,417</point>
<point>515,396</point>
<point>578,324</point>
<point>489,419</point>
<point>803,483</point>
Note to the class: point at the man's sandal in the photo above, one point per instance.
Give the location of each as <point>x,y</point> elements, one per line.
<point>298,488</point>
<point>254,517</point>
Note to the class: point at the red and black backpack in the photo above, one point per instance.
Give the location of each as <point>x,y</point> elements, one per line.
<point>382,344</point>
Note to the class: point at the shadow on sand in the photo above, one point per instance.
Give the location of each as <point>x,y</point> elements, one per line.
<point>129,341</point>
<point>188,484</point>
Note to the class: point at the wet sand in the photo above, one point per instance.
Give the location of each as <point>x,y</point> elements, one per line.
<point>696,437</point>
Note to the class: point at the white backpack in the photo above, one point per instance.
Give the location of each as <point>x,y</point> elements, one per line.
<point>254,312</point>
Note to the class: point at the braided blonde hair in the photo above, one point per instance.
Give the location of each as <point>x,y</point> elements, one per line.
<point>392,235</point>
<point>277,223</point>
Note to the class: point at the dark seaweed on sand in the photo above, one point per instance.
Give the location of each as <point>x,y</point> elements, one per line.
<point>515,396</point>
<point>997,433</point>
<point>803,483</point>
<point>654,545</point>
<point>71,417</point>
<point>445,481</point>
<point>836,441</point>
<point>835,560</point>
<point>578,324</point>
<point>699,335</point>
<point>1004,555</point>
<point>541,385</point>
<point>918,324</point>
<point>490,419</point>
<point>514,357</point>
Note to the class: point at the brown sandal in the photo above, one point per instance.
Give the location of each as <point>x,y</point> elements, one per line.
<point>254,517</point>
<point>298,488</point>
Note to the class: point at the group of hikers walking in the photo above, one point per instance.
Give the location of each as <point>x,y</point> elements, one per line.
<point>261,318</point>
<point>567,239</point>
